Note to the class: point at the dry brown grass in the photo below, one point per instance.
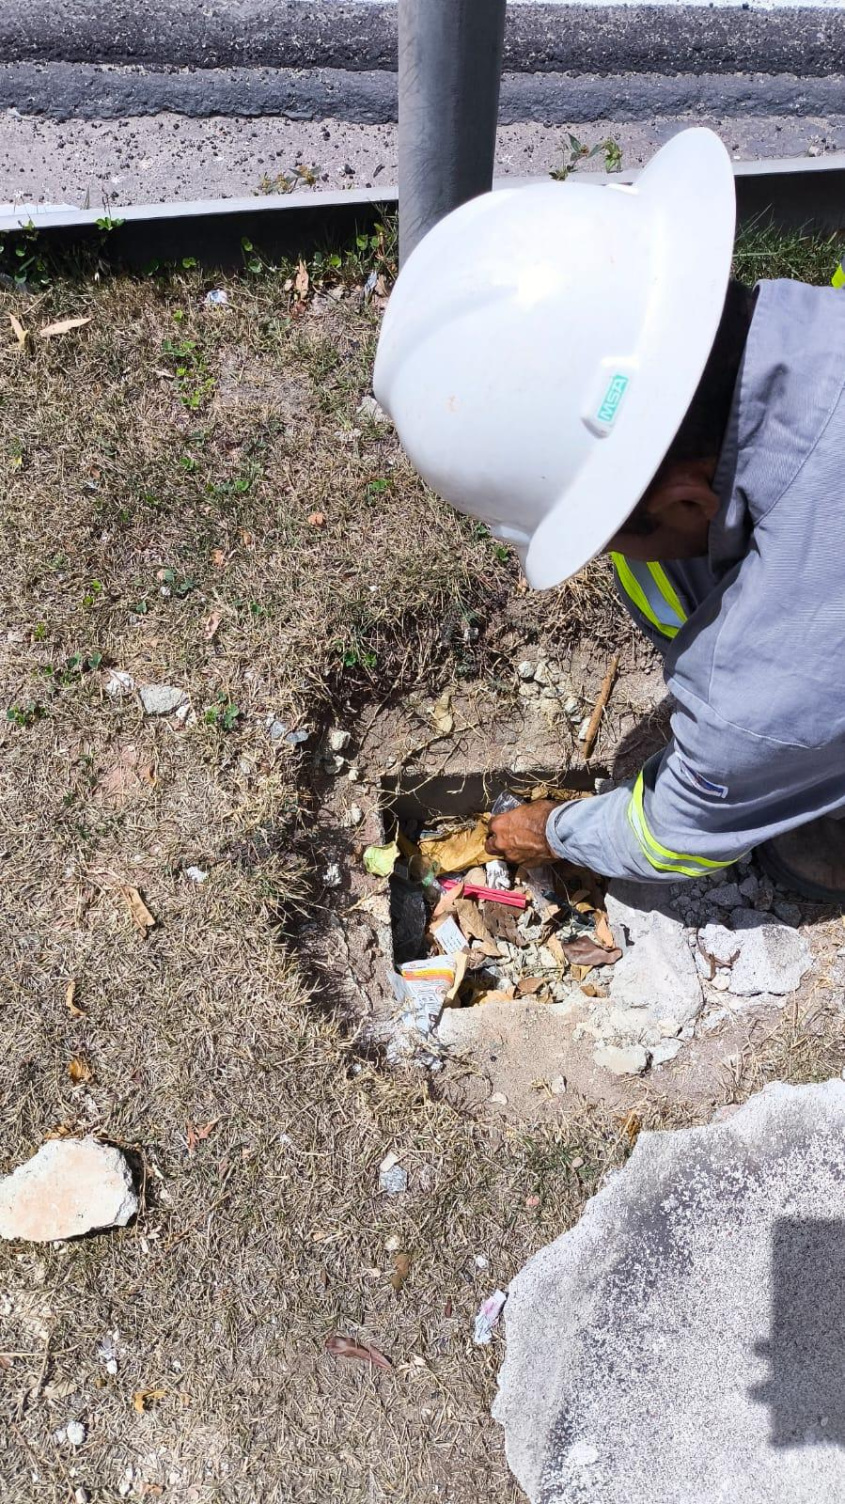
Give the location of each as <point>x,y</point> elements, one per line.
<point>257,1241</point>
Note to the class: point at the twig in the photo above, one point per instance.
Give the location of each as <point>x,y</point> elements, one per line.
<point>598,709</point>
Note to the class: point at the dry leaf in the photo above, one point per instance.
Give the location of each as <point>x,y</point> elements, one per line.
<point>527,986</point>
<point>344,1347</point>
<point>142,1399</point>
<point>141,916</point>
<point>401,1270</point>
<point>218,558</point>
<point>462,849</point>
<point>585,952</point>
<point>196,1135</point>
<point>555,945</point>
<point>501,995</point>
<point>70,995</point>
<point>300,281</point>
<point>317,519</point>
<point>604,934</point>
<point>79,1070</point>
<point>21,334</point>
<point>211,625</point>
<point>64,326</point>
<point>441,713</point>
<point>590,989</point>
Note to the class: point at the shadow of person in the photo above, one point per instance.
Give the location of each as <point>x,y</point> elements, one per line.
<point>805,1390</point>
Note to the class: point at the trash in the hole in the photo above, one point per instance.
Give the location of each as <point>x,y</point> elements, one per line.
<point>468,931</point>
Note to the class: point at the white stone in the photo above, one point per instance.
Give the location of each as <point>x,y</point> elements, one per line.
<point>666,1050</point>
<point>119,684</point>
<point>334,764</point>
<point>541,672</point>
<point>196,874</point>
<point>275,728</point>
<point>71,1186</point>
<point>525,669</point>
<point>338,739</point>
<point>627,1060</point>
<point>354,815</point>
<point>373,410</point>
<point>161,699</point>
<point>75,1432</point>
<point>557,1086</point>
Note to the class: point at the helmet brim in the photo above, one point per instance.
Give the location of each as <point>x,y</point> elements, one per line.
<point>689,189</point>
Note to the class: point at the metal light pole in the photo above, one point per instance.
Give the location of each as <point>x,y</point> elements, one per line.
<point>450,62</point>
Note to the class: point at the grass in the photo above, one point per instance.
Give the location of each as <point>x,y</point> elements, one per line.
<point>162,473</point>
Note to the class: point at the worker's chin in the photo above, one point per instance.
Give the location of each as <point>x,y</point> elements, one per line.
<point>664,543</point>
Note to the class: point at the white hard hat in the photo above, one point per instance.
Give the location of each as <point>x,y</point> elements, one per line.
<point>542,345</point>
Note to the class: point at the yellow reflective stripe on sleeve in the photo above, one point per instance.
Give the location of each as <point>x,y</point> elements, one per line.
<point>660,857</point>
<point>664,585</point>
<point>634,591</point>
<point>838,278</point>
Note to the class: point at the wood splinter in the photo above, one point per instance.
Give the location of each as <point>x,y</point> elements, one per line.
<point>599,707</point>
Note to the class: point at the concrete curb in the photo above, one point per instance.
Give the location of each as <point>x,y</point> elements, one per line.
<point>793,193</point>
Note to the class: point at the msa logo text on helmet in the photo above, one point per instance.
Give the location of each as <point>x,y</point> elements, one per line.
<point>612,399</point>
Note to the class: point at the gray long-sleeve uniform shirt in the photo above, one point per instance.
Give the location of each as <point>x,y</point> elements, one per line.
<point>757,668</point>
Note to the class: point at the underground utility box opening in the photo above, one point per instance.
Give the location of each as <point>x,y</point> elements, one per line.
<point>468,929</point>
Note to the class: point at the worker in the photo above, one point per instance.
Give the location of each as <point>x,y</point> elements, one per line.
<point>572,364</point>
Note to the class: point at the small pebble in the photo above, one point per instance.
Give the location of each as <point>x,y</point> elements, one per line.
<point>558,1085</point>
<point>353,775</point>
<point>75,1433</point>
<point>196,874</point>
<point>339,740</point>
<point>525,669</point>
<point>334,764</point>
<point>394,1180</point>
<point>296,738</point>
<point>332,876</point>
<point>789,913</point>
<point>354,815</point>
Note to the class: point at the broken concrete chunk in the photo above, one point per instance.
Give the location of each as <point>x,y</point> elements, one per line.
<point>666,1050</point>
<point>772,957</point>
<point>680,1337</point>
<point>70,1187</point>
<point>621,1060</point>
<point>718,945</point>
<point>161,699</point>
<point>657,971</point>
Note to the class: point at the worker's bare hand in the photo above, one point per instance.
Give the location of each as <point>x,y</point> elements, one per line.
<point>520,835</point>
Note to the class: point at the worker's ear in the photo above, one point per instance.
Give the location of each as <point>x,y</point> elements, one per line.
<point>682,485</point>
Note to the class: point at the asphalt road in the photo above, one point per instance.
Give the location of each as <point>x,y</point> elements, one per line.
<point>99,98</point>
